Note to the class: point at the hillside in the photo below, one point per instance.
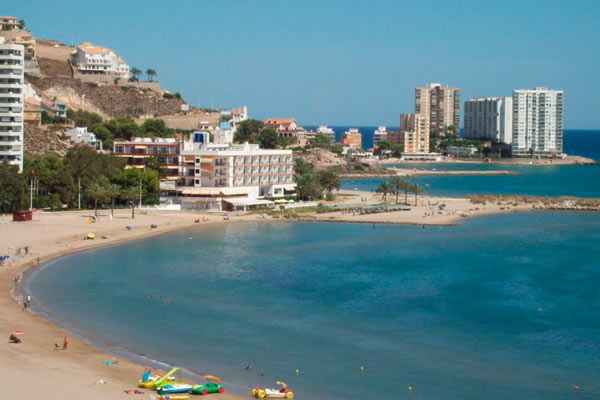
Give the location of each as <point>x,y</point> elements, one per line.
<point>57,79</point>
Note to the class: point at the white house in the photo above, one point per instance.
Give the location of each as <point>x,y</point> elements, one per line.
<point>81,135</point>
<point>91,59</point>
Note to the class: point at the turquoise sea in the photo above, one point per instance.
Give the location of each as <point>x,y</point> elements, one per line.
<point>499,307</point>
<point>579,181</point>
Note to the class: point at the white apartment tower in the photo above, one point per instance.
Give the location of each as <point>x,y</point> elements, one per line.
<point>489,118</point>
<point>11,103</point>
<point>537,122</point>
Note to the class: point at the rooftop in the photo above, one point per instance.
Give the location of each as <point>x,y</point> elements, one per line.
<point>89,48</point>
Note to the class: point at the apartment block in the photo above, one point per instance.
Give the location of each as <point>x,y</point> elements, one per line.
<point>413,133</point>
<point>91,59</point>
<point>139,151</point>
<point>12,103</point>
<point>537,122</point>
<point>352,138</point>
<point>489,118</point>
<point>438,105</point>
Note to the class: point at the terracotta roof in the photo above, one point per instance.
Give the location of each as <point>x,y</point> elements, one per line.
<point>237,111</point>
<point>89,48</point>
<point>3,17</point>
<point>280,121</point>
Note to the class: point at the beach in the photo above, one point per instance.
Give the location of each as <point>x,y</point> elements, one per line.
<point>80,371</point>
<point>34,368</point>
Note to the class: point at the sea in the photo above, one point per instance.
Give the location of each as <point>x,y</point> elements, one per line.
<point>546,180</point>
<point>496,307</point>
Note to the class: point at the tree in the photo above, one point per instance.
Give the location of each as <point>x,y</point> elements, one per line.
<point>22,24</point>
<point>112,192</point>
<point>157,163</point>
<point>103,134</point>
<point>531,151</point>
<point>398,183</point>
<point>155,127</point>
<point>131,194</point>
<point>384,188</point>
<point>151,73</point>
<point>268,139</point>
<point>136,73</point>
<point>96,193</point>
<point>303,167</point>
<point>416,189</point>
<point>451,131</point>
<point>308,187</point>
<point>397,150</point>
<point>329,180</point>
<point>320,140</point>
<point>382,146</point>
<point>13,188</point>
<point>246,130</point>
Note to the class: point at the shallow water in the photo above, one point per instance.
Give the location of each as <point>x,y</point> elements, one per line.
<point>498,307</point>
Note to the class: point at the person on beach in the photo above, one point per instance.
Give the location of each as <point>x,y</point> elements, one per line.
<point>28,301</point>
<point>65,343</point>
<point>13,338</point>
<point>25,306</point>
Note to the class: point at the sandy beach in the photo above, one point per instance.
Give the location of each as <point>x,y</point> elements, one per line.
<point>36,370</point>
<point>33,369</point>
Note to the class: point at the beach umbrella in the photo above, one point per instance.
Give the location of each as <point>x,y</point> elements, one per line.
<point>282,384</point>
<point>18,333</point>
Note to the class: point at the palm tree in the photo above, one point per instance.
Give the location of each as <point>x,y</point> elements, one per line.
<point>416,189</point>
<point>384,188</point>
<point>398,184</point>
<point>131,194</point>
<point>308,187</point>
<point>136,73</point>
<point>112,192</point>
<point>96,192</point>
<point>151,73</point>
<point>329,180</point>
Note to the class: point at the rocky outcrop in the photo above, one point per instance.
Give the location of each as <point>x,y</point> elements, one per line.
<point>44,140</point>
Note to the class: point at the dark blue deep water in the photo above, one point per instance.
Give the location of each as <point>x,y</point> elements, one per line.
<point>499,307</point>
<point>579,181</point>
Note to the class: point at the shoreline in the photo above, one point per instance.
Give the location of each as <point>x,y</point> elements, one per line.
<point>568,161</point>
<point>36,358</point>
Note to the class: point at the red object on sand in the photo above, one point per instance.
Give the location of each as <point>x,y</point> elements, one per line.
<point>18,333</point>
<point>66,344</point>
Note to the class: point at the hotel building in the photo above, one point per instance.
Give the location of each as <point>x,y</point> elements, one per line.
<point>489,118</point>
<point>439,106</point>
<point>230,176</point>
<point>138,151</point>
<point>537,122</point>
<point>11,103</point>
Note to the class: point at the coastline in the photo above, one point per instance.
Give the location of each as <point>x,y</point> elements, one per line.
<point>569,160</point>
<point>53,235</point>
<point>79,371</point>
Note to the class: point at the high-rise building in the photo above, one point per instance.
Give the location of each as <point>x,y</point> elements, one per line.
<point>352,138</point>
<point>414,134</point>
<point>537,122</point>
<point>489,118</point>
<point>439,106</point>
<point>11,103</point>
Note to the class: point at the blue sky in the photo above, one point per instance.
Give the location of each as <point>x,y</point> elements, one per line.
<point>341,62</point>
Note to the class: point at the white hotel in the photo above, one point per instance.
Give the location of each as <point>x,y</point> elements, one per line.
<point>489,118</point>
<point>537,122</point>
<point>11,103</point>
<point>230,176</point>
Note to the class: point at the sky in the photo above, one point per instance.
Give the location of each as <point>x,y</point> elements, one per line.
<point>340,62</point>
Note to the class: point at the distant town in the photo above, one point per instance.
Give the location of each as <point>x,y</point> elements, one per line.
<point>215,159</point>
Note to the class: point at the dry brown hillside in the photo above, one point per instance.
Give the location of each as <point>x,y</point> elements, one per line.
<point>56,80</point>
